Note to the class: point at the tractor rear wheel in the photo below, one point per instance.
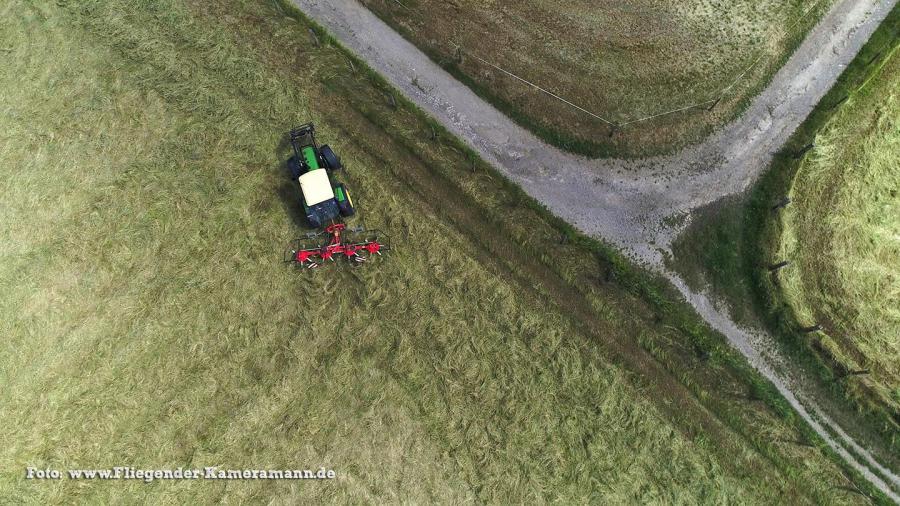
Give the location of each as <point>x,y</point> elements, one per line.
<point>331,160</point>
<point>345,204</point>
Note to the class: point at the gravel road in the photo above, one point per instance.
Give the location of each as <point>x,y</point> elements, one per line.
<point>627,202</point>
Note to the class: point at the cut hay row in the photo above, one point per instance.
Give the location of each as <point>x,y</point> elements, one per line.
<point>842,232</point>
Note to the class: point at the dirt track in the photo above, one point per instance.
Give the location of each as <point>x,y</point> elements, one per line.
<point>627,202</point>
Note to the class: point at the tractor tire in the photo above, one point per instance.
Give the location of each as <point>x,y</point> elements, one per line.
<point>346,205</point>
<point>294,168</point>
<point>329,159</point>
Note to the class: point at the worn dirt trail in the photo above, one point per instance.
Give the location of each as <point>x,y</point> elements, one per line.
<point>626,202</point>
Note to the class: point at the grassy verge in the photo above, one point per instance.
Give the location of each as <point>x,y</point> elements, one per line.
<point>736,241</point>
<point>685,53</point>
<point>151,323</point>
<point>842,232</point>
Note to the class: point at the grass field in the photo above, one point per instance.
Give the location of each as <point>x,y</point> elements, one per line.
<point>148,320</point>
<point>843,235</point>
<point>619,60</point>
<point>731,244</point>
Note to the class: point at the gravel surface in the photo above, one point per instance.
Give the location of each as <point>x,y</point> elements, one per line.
<point>627,202</point>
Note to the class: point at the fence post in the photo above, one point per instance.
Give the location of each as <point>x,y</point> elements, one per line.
<point>781,203</point>
<point>871,60</point>
<point>714,104</point>
<point>839,102</point>
<point>610,275</point>
<point>780,265</point>
<point>803,151</point>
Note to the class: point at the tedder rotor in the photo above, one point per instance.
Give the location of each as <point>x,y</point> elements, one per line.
<point>325,200</point>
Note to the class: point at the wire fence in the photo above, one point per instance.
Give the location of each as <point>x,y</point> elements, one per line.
<point>710,103</point>
<point>544,90</point>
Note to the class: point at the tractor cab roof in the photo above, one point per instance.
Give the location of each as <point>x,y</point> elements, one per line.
<point>316,187</point>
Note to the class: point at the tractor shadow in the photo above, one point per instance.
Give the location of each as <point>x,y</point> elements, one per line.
<point>287,190</point>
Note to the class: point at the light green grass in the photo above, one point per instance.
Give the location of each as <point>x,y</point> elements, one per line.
<point>148,321</point>
<point>843,234</point>
<point>620,60</point>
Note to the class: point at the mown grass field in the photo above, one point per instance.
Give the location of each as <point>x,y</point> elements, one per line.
<point>148,319</point>
<point>619,60</point>
<point>732,244</point>
<point>843,235</point>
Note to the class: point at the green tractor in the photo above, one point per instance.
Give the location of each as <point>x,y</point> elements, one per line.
<point>312,166</point>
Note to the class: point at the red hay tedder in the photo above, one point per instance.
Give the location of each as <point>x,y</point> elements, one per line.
<point>337,241</point>
<point>324,199</point>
